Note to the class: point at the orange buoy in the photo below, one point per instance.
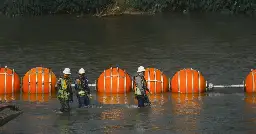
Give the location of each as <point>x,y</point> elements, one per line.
<point>9,81</point>
<point>250,82</point>
<point>114,80</point>
<point>37,97</point>
<point>157,82</point>
<point>113,98</point>
<point>188,81</point>
<point>39,80</point>
<point>9,97</point>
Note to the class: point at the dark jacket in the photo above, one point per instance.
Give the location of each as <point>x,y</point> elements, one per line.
<point>82,85</point>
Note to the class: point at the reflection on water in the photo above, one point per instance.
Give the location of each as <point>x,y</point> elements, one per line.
<point>27,97</point>
<point>249,111</point>
<point>187,109</point>
<point>37,97</point>
<point>250,98</point>
<point>62,124</point>
<point>113,98</point>
<point>159,99</point>
<point>169,112</point>
<point>112,114</point>
<point>187,104</point>
<point>9,97</point>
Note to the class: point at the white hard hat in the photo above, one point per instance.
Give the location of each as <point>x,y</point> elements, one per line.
<point>66,71</point>
<point>141,69</point>
<point>81,71</point>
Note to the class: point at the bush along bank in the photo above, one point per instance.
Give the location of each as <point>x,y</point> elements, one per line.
<point>118,7</point>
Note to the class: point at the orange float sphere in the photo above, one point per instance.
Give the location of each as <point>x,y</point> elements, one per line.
<point>188,81</point>
<point>250,82</point>
<point>114,80</point>
<point>37,97</point>
<point>39,80</point>
<point>9,81</point>
<point>157,82</point>
<point>113,98</point>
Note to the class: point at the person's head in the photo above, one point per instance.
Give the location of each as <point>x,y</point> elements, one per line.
<point>141,70</point>
<point>66,72</point>
<point>81,72</point>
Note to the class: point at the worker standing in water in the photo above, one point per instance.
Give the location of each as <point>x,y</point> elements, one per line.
<point>82,89</point>
<point>141,87</point>
<point>64,91</point>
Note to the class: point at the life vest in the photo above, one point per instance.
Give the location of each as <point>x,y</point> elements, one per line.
<point>62,92</point>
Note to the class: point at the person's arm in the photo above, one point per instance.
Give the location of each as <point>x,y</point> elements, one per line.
<point>58,84</point>
<point>76,84</point>
<point>145,85</point>
<point>70,90</point>
<point>76,87</point>
<point>87,88</point>
<point>70,86</point>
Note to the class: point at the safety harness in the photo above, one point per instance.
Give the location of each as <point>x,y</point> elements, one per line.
<point>81,85</point>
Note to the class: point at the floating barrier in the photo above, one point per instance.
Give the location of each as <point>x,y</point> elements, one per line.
<point>39,80</point>
<point>9,81</point>
<point>114,80</point>
<point>118,81</point>
<point>157,82</point>
<point>188,81</point>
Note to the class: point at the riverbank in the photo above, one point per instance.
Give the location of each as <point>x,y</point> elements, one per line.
<point>104,8</point>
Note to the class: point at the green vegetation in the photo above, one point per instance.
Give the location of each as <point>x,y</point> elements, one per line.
<point>117,7</point>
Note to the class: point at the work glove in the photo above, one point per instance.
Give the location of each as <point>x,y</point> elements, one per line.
<point>90,96</point>
<point>71,100</point>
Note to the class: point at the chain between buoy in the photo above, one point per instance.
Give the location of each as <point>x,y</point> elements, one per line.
<point>211,86</point>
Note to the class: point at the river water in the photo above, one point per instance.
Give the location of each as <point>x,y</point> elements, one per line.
<point>221,47</point>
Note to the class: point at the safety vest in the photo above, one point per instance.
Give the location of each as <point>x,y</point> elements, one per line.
<point>81,91</point>
<point>138,91</point>
<point>62,92</point>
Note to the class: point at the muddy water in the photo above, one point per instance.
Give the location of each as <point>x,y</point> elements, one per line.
<point>221,47</point>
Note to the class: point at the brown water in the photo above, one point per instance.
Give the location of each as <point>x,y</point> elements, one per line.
<point>221,47</point>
